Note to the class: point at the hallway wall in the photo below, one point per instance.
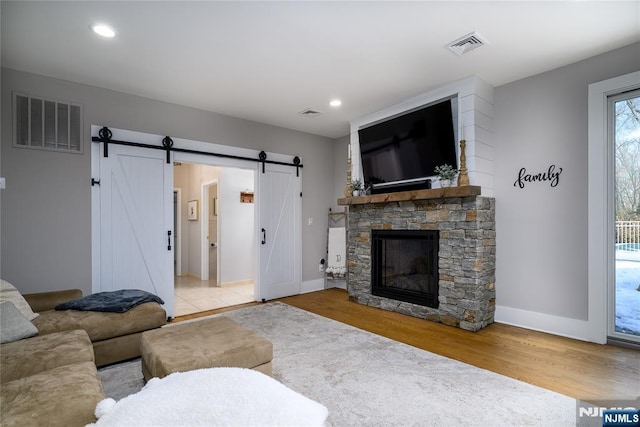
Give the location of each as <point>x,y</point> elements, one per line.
<point>236,239</point>
<point>190,177</point>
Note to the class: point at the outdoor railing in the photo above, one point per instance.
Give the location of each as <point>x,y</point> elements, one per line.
<point>628,232</point>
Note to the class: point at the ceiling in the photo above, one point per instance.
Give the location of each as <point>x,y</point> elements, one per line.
<point>267,61</point>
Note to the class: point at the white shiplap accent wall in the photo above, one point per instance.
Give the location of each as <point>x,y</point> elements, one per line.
<point>475,114</point>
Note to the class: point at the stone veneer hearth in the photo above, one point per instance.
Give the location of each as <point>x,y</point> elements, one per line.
<point>466,258</point>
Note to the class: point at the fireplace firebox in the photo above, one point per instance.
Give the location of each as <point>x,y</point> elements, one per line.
<point>404,265</point>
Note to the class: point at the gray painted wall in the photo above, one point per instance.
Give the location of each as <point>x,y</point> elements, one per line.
<point>542,231</point>
<point>46,208</point>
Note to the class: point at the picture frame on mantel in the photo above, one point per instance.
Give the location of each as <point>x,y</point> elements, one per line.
<point>192,210</point>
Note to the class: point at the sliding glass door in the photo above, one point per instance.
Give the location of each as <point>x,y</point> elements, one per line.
<point>624,292</point>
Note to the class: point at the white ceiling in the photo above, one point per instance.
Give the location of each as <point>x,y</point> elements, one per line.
<point>266,61</point>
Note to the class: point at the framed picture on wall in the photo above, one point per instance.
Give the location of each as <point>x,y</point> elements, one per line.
<point>192,210</point>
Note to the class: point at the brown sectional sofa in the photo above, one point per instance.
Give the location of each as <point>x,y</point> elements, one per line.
<point>115,336</point>
<point>51,378</point>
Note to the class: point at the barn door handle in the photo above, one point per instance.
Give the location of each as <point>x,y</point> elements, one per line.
<point>264,236</point>
<point>169,240</point>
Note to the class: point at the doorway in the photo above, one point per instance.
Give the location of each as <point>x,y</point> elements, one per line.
<point>132,221</point>
<point>217,266</point>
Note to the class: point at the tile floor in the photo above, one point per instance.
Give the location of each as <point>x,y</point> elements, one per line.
<point>193,295</point>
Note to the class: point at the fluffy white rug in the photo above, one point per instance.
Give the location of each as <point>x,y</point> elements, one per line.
<point>212,397</point>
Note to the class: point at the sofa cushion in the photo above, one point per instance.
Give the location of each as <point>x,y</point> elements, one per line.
<point>28,357</point>
<point>63,396</point>
<point>8,292</point>
<point>14,325</point>
<point>43,301</point>
<point>100,325</point>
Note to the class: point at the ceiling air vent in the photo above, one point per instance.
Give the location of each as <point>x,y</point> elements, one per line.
<point>309,113</point>
<point>466,44</point>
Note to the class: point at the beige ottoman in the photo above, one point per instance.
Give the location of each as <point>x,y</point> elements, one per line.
<point>209,343</point>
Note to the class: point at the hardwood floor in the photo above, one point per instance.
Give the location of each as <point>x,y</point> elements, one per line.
<point>582,370</point>
<point>574,368</point>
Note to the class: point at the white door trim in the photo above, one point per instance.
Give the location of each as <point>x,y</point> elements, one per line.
<point>205,233</point>
<point>177,238</point>
<point>600,206</point>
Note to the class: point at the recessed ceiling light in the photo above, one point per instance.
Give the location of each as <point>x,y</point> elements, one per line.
<point>103,30</point>
<point>335,103</point>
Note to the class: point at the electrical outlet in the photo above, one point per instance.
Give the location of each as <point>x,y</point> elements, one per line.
<point>310,222</point>
<point>320,268</point>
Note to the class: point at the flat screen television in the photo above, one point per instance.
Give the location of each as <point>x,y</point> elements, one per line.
<point>401,153</point>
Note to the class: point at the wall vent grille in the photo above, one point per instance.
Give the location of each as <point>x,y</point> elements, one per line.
<point>47,124</point>
<point>309,112</point>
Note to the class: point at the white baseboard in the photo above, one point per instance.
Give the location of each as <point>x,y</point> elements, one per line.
<point>556,325</point>
<point>312,286</point>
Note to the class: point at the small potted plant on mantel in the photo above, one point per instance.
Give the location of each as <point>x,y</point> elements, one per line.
<point>356,187</point>
<point>446,173</point>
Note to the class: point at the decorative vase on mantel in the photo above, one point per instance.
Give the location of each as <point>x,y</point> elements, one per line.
<point>356,187</point>
<point>446,175</point>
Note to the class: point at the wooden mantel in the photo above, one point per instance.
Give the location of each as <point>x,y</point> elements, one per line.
<point>434,193</point>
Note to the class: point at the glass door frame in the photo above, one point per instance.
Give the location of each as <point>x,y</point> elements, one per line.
<point>613,335</point>
<point>600,211</point>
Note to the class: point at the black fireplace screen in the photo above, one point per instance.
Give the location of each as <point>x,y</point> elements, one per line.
<point>404,265</point>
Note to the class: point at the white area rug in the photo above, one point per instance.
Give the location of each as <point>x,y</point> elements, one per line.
<point>368,380</point>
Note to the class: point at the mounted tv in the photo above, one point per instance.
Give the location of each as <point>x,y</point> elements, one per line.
<point>401,153</point>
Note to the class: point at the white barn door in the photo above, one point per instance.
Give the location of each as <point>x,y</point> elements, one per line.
<point>136,222</point>
<point>280,205</point>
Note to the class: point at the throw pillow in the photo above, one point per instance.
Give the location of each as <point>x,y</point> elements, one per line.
<point>14,325</point>
<point>8,292</point>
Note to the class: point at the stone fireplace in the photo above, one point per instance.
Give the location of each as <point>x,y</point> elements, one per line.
<point>464,223</point>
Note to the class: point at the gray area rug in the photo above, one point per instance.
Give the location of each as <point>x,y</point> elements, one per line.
<point>368,380</point>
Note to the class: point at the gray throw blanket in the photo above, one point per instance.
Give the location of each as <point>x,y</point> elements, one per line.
<point>113,302</point>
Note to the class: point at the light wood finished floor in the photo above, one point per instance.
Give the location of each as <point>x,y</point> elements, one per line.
<point>574,368</point>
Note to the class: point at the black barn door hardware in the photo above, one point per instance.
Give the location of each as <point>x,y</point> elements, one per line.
<point>263,158</point>
<point>167,143</point>
<point>105,136</point>
<point>296,161</point>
